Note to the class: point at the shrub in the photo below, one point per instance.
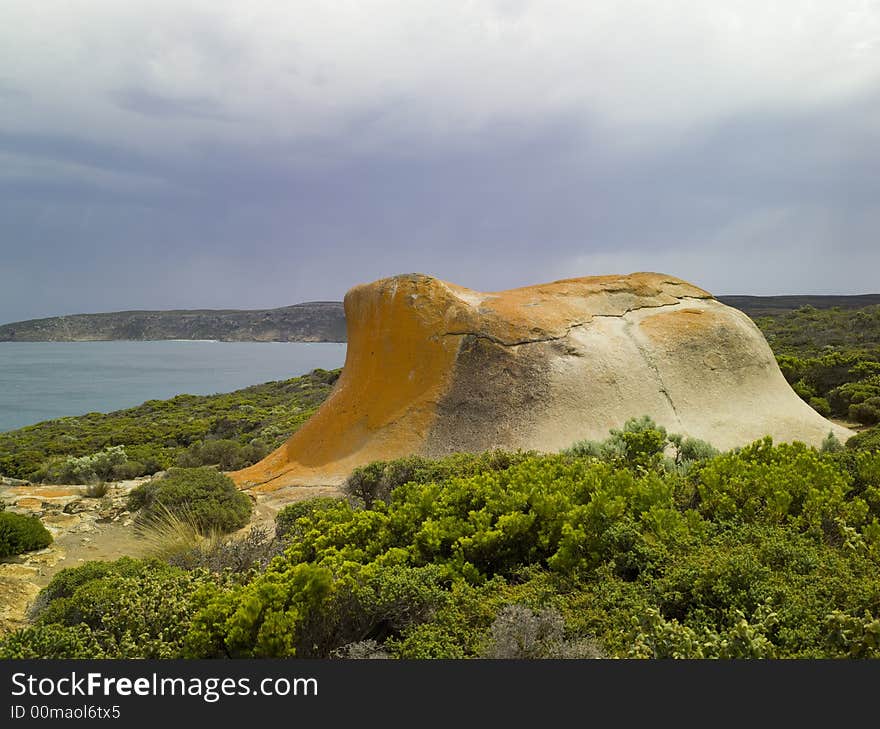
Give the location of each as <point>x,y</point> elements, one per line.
<point>67,581</point>
<point>361,650</point>
<point>51,642</point>
<point>375,481</point>
<point>867,440</point>
<point>19,533</point>
<point>270,626</point>
<point>867,412</point>
<point>820,405</point>
<point>286,519</point>
<point>234,554</point>
<point>656,637</point>
<point>304,611</point>
<point>691,450</point>
<point>143,495</point>
<point>522,633</point>
<point>226,454</point>
<point>203,495</point>
<point>849,394</point>
<point>831,444</point>
<point>641,444</point>
<point>99,466</point>
<point>126,609</point>
<point>366,483</point>
<point>853,637</point>
<point>787,483</point>
<point>107,461</point>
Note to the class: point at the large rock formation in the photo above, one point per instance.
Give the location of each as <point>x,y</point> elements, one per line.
<point>434,368</point>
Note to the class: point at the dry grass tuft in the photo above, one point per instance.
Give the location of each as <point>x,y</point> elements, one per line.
<point>168,535</point>
<point>96,490</point>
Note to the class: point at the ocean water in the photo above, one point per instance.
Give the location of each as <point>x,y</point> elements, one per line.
<point>43,380</point>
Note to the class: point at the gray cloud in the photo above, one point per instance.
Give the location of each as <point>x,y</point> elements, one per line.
<point>142,101</point>
<point>170,156</point>
<point>8,91</point>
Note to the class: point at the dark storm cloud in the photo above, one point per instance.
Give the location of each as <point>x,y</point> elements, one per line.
<point>70,148</point>
<point>228,164</point>
<point>500,211</point>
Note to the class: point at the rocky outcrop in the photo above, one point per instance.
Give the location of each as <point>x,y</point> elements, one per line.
<point>82,529</point>
<point>319,321</point>
<point>434,368</point>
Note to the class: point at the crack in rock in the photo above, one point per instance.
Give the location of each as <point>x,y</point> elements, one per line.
<point>627,330</point>
<point>570,327</point>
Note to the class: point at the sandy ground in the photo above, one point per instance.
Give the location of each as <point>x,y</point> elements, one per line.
<point>86,529</point>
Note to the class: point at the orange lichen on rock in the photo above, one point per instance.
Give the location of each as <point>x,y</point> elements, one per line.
<point>433,368</point>
<point>47,492</point>
<point>396,369</point>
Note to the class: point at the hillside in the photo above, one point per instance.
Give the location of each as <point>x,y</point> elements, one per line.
<point>773,305</point>
<point>316,321</point>
<point>232,429</point>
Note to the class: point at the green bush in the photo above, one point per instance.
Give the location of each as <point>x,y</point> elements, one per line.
<point>307,611</point>
<point>66,582</point>
<point>124,609</point>
<point>375,481</point>
<point>831,444</point>
<point>656,637</point>
<point>51,642</point>
<point>867,440</point>
<point>227,455</point>
<point>641,443</point>
<point>853,637</point>
<point>19,533</point>
<point>767,551</point>
<point>271,625</point>
<point>867,412</point>
<point>286,519</point>
<point>820,405</point>
<point>206,496</point>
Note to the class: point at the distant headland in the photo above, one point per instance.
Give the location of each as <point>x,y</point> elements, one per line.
<point>314,321</point>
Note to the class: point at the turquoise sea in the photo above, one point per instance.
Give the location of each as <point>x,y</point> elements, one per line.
<point>43,380</point>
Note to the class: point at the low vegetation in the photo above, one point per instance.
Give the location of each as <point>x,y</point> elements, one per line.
<point>202,497</point>
<point>644,545</point>
<point>19,534</point>
<point>831,357</point>
<point>123,609</point>
<point>231,431</point>
<point>618,549</point>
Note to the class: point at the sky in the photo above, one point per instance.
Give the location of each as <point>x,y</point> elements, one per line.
<point>228,154</point>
